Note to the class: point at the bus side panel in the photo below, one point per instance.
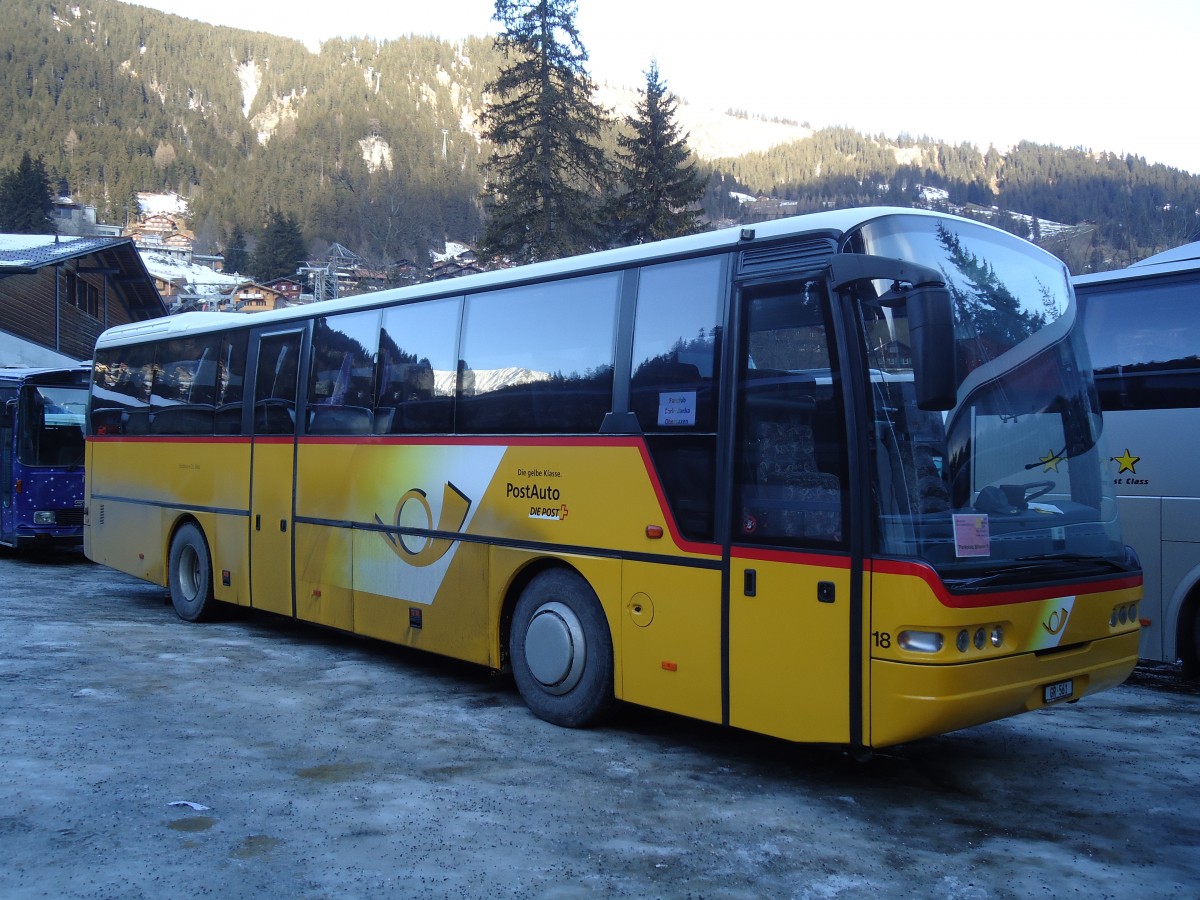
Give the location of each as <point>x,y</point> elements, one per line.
<point>365,560</point>
<point>453,624</point>
<point>127,537</point>
<point>1141,527</point>
<point>1156,487</point>
<point>1045,641</point>
<point>669,625</point>
<point>228,537</point>
<point>148,485</point>
<point>324,575</point>
<point>1181,567</point>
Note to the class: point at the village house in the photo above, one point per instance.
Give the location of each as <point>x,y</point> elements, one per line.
<point>57,294</point>
<point>253,298</point>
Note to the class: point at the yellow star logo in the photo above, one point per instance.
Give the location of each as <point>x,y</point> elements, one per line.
<point>1126,462</point>
<point>1050,461</point>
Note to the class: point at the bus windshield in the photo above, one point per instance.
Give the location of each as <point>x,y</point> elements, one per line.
<point>52,423</point>
<point>1008,484</point>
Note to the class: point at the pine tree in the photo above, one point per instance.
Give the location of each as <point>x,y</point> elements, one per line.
<point>25,199</point>
<point>662,187</point>
<point>280,251</point>
<point>237,259</point>
<point>547,170</point>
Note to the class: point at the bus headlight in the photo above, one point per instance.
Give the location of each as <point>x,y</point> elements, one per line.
<point>43,517</point>
<point>921,641</point>
<point>963,641</point>
<point>1126,613</point>
<point>997,636</point>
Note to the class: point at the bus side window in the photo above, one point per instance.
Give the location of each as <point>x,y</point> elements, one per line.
<point>541,356</point>
<point>673,383</point>
<point>121,390</point>
<point>417,368</point>
<point>341,389</point>
<point>182,399</point>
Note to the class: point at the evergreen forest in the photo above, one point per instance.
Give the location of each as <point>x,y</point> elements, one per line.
<point>380,145</point>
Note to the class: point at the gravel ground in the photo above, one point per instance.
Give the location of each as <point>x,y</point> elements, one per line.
<point>145,757</point>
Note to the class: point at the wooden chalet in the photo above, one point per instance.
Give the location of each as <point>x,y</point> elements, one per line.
<point>57,294</point>
<point>253,298</point>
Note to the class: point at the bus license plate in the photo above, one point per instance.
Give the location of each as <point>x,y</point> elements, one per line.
<point>1060,690</point>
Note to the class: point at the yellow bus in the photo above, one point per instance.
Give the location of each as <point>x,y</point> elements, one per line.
<point>835,478</point>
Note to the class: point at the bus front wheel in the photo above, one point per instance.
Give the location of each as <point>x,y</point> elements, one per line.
<point>190,573</point>
<point>561,650</point>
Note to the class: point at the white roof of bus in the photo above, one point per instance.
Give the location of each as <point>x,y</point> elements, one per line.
<point>1185,258</point>
<point>1176,254</point>
<point>833,221</point>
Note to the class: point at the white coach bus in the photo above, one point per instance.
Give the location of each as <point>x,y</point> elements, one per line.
<point>1143,330</point>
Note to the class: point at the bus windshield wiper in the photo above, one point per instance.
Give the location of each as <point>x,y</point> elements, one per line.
<point>1073,558</point>
<point>1073,563</point>
<point>998,577</point>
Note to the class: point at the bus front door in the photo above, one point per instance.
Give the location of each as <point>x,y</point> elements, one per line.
<point>789,570</point>
<point>272,472</point>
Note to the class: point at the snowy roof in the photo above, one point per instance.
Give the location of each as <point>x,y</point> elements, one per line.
<point>33,251</point>
<point>201,280</point>
<point>30,253</point>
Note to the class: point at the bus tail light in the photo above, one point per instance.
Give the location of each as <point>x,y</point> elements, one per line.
<point>921,641</point>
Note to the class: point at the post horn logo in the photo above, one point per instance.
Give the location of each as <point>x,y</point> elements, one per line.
<point>1057,620</point>
<point>424,549</point>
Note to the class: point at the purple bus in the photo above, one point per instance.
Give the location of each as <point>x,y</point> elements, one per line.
<point>42,414</point>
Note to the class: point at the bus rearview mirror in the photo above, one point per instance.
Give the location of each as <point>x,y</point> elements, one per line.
<point>931,338</point>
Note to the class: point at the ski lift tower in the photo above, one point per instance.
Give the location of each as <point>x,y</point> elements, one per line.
<point>324,280</point>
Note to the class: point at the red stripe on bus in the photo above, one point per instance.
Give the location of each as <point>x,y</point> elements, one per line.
<point>925,572</point>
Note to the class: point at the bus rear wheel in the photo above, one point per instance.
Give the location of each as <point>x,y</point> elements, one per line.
<point>561,650</point>
<point>189,571</point>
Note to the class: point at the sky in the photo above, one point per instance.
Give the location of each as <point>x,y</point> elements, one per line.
<point>1096,74</point>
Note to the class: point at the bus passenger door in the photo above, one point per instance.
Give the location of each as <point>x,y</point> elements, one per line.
<point>789,569</point>
<point>272,472</point>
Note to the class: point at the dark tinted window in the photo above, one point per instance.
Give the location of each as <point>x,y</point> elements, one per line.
<point>341,389</point>
<point>418,365</point>
<point>676,350</point>
<point>121,390</point>
<point>230,386</point>
<point>275,384</point>
<point>1144,340</point>
<point>676,344</point>
<point>185,385</point>
<point>539,358</point>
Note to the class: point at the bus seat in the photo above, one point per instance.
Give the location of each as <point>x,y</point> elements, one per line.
<point>932,493</point>
<point>182,420</point>
<point>800,500</point>
<point>341,420</point>
<point>384,415</point>
<point>136,421</point>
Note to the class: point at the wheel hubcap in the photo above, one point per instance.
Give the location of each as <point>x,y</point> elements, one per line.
<point>189,573</point>
<point>555,648</point>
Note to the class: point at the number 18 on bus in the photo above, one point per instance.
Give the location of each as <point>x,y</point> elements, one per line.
<point>836,478</point>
